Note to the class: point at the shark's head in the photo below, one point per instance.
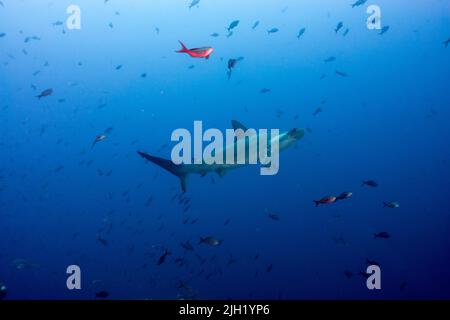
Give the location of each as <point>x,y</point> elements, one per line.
<point>289,138</point>
<point>296,133</point>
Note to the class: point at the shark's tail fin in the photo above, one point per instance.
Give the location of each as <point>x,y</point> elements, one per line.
<point>169,166</point>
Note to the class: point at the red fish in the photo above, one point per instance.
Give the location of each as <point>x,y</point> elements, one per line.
<point>325,200</point>
<point>203,52</point>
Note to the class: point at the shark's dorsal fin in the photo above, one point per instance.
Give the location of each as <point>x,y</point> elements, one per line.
<point>237,125</point>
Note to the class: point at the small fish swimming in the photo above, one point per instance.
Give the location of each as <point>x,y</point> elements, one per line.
<point>339,27</point>
<point>274,216</point>
<point>342,74</point>
<point>2,34</point>
<point>382,235</point>
<point>391,204</point>
<point>384,30</point>
<point>231,64</point>
<point>98,139</point>
<point>194,3</point>
<point>203,52</point>
<point>264,90</point>
<point>187,246</point>
<point>325,200</point>
<point>211,241</point>
<point>329,59</point>
<point>233,25</point>
<point>446,42</point>
<point>359,3</point>
<point>163,257</point>
<point>57,23</point>
<point>370,183</point>
<point>45,93</point>
<point>214,35</point>
<point>102,241</point>
<point>317,111</point>
<point>255,25</point>
<point>301,32</point>
<point>345,32</point>
<point>344,195</point>
<point>273,30</point>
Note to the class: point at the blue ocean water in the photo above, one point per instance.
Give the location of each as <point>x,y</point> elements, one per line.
<point>384,117</point>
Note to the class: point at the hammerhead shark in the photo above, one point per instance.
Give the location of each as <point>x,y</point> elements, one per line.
<point>182,171</point>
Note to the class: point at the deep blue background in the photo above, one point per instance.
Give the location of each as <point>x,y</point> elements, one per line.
<point>387,121</point>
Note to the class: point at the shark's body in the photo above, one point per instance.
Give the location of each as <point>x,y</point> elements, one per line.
<point>182,171</point>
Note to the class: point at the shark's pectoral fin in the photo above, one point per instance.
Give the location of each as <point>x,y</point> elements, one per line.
<point>183,181</point>
<point>221,172</point>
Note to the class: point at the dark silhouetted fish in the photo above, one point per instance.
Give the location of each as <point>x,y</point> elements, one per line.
<point>446,42</point>
<point>233,25</point>
<point>339,27</point>
<point>211,241</point>
<point>102,241</point>
<point>382,235</point>
<point>370,183</point>
<point>391,204</point>
<point>342,74</point>
<point>194,3</point>
<point>273,30</point>
<point>301,32</point>
<point>344,195</point>
<point>255,25</point>
<point>45,93</point>
<point>359,3</point>
<point>163,257</point>
<point>274,216</point>
<point>384,30</point>
<point>330,59</point>
<point>187,246</point>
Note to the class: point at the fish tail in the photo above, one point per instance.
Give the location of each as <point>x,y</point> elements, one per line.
<point>385,204</point>
<point>202,240</point>
<point>183,47</point>
<point>169,166</point>
<point>316,202</point>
